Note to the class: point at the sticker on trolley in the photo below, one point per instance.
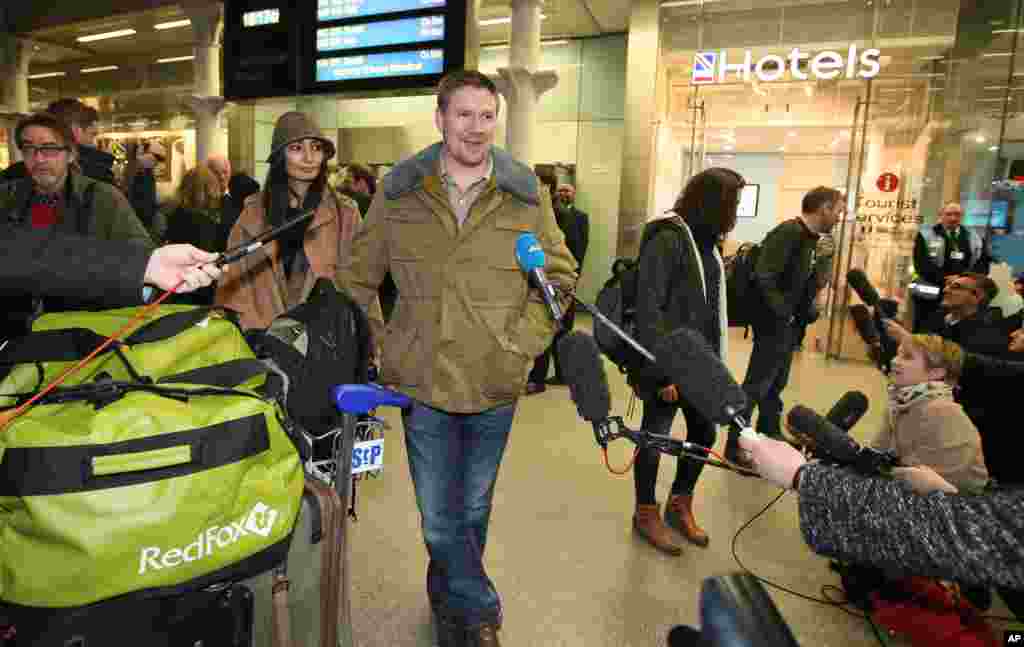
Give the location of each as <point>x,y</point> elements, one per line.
<point>368,456</point>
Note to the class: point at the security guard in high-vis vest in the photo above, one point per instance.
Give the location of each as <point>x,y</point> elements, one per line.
<point>943,249</point>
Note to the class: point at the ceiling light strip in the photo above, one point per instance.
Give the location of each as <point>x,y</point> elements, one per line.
<point>105,35</point>
<point>174,24</point>
<point>175,59</point>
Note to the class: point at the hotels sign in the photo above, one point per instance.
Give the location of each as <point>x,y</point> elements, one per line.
<point>715,67</point>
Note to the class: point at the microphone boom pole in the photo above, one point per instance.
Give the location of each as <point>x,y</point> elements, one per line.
<point>648,355</point>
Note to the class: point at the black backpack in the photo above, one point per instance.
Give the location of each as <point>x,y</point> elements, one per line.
<point>617,300</point>
<point>318,344</point>
<point>741,290</point>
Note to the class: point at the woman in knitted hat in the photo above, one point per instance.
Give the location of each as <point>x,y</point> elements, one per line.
<point>281,274</point>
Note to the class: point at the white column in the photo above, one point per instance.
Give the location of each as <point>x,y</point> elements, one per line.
<point>206,100</point>
<point>14,60</point>
<point>472,60</point>
<point>520,83</point>
<point>211,135</point>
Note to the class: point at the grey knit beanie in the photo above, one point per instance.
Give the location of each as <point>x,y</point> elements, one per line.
<point>295,126</point>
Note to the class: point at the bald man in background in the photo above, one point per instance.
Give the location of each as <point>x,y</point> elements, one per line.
<point>221,167</point>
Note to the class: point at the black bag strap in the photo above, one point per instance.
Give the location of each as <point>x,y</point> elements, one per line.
<point>63,345</point>
<point>168,326</point>
<point>70,344</point>
<point>227,375</point>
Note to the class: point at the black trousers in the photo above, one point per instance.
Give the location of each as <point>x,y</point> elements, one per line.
<point>658,416</point>
<point>539,372</point>
<point>768,374</point>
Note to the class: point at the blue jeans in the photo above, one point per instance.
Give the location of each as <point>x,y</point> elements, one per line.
<point>454,461</point>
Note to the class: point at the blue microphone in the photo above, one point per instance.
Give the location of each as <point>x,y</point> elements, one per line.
<point>530,256</point>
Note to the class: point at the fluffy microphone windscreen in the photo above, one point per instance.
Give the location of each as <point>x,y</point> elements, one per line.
<point>686,359</point>
<point>864,323</point>
<point>583,370</point>
<point>858,280</point>
<point>848,410</point>
<point>827,439</point>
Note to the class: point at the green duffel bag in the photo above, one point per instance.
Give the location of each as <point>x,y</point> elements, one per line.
<point>163,466</point>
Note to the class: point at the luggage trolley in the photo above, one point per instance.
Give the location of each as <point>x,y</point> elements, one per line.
<point>354,401</point>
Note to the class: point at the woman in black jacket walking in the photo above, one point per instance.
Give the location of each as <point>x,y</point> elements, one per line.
<point>680,282</point>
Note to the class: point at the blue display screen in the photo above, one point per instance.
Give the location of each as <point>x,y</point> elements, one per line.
<point>378,66</point>
<point>977,213</point>
<point>338,9</point>
<point>377,34</point>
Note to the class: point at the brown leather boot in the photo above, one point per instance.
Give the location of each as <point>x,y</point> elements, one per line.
<point>647,522</point>
<point>679,515</point>
<point>485,635</point>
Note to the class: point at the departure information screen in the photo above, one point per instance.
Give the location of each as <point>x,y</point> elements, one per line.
<point>377,66</point>
<point>338,9</point>
<point>280,48</point>
<point>379,34</point>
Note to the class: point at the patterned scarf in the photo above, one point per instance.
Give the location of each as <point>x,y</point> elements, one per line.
<point>901,398</point>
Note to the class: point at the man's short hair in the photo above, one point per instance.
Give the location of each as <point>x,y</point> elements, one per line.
<point>45,120</point>
<point>459,79</point>
<point>818,197</point>
<point>988,287</point>
<point>74,112</point>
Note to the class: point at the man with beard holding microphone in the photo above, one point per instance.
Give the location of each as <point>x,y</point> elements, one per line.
<point>464,332</point>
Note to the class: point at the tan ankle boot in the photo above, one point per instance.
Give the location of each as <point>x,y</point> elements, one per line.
<point>647,522</point>
<point>679,515</point>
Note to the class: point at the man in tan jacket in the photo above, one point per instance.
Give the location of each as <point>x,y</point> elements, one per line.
<point>463,334</point>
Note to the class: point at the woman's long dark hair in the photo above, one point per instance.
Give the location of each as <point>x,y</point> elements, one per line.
<point>710,201</point>
<point>277,193</point>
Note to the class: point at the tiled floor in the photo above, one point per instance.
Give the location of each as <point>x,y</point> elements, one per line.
<point>561,551</point>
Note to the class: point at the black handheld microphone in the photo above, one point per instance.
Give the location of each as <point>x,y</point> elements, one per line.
<point>835,444</point>
<point>530,256</point>
<point>583,369</point>
<point>848,410</point>
<point>688,361</point>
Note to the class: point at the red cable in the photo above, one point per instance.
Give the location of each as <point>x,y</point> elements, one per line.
<point>625,470</point>
<point>7,418</point>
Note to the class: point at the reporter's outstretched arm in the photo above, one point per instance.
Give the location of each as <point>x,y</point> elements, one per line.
<point>970,539</point>
<point>64,265</point>
<point>112,272</point>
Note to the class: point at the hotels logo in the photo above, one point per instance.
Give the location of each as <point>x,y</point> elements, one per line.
<point>704,67</point>
<point>715,67</point>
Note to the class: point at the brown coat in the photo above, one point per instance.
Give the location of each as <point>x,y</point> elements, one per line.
<point>937,433</point>
<point>256,286</point>
<point>466,327</point>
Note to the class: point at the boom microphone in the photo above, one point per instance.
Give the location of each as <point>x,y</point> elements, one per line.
<point>848,410</point>
<point>829,440</point>
<point>833,443</point>
<point>865,324</point>
<point>530,256</point>
<point>858,280</point>
<point>583,369</point>
<point>688,361</point>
